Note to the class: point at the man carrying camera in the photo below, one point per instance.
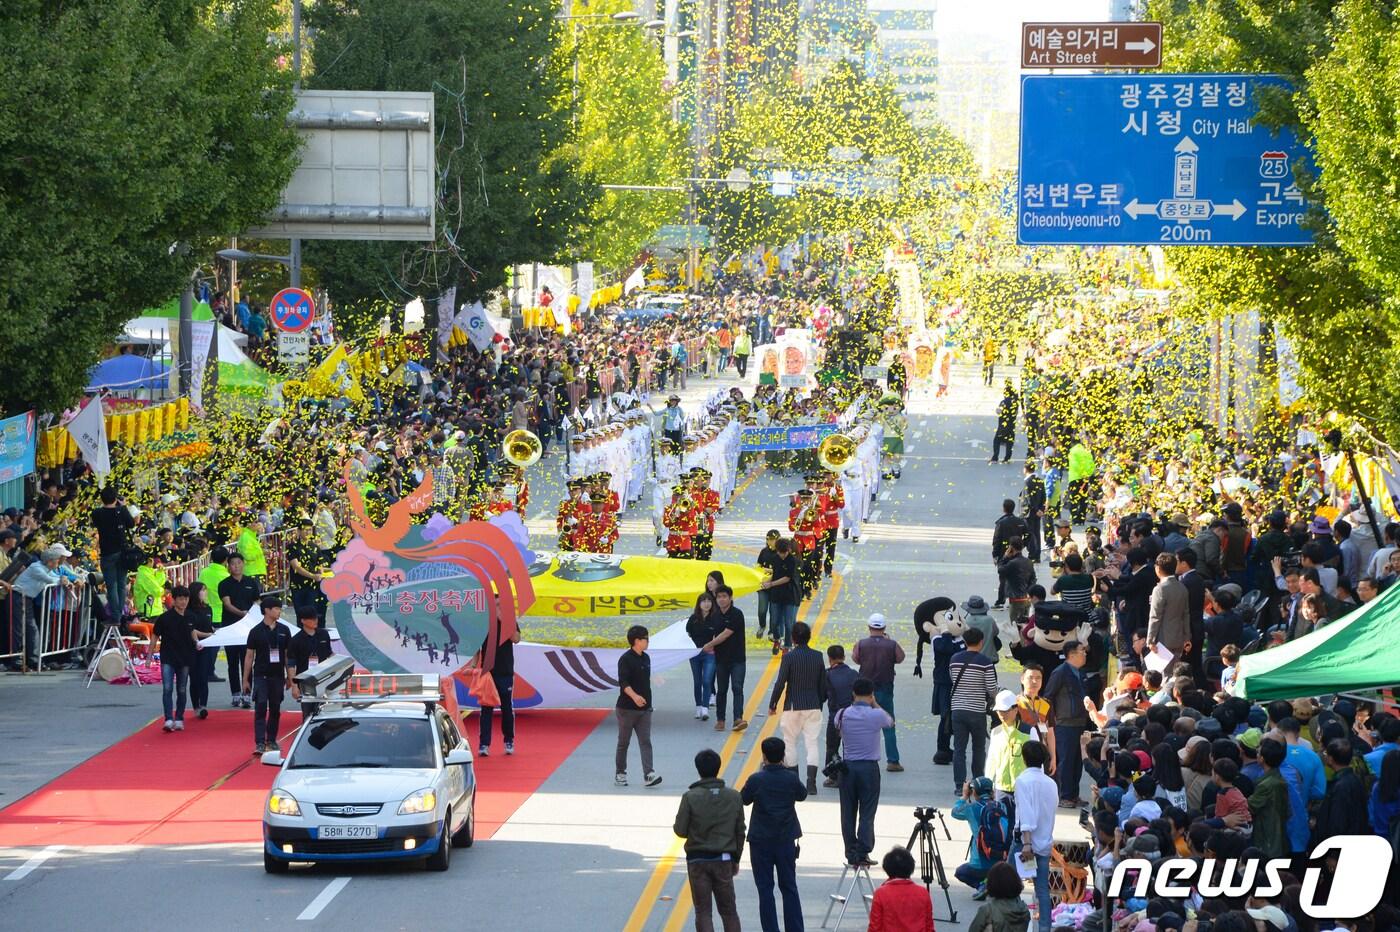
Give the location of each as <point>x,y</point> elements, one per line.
<point>861,724</point>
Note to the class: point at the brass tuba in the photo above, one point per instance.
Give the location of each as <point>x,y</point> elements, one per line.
<point>836,451</point>
<point>521,448</point>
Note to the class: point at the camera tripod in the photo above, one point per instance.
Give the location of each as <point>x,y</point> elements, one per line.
<point>930,859</point>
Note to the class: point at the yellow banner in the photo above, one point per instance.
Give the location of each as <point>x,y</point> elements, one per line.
<point>595,585</point>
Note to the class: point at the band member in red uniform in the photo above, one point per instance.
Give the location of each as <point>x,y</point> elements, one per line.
<point>681,521</point>
<point>823,500</point>
<point>573,518</point>
<point>707,503</point>
<point>602,529</point>
<point>522,489</point>
<point>835,500</point>
<point>804,520</point>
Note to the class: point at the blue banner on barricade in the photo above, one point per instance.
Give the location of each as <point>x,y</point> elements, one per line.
<point>754,439</point>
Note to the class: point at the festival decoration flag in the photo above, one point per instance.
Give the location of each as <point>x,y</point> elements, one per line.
<point>89,431</point>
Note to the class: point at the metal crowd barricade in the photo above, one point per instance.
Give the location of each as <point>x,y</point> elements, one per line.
<point>278,576</point>
<point>65,620</point>
<point>11,635</point>
<point>187,574</point>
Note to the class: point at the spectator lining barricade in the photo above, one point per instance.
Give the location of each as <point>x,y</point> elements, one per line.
<point>278,576</point>
<point>65,621</point>
<point>186,574</point>
<point>11,640</point>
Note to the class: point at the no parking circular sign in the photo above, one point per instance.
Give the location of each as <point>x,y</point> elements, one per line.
<point>292,310</point>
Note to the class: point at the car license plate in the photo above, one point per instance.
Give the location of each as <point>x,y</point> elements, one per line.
<point>348,831</point>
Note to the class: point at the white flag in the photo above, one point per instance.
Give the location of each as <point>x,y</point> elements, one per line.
<point>584,286</point>
<point>474,323</point>
<point>89,430</point>
<point>202,336</point>
<point>445,314</point>
<point>634,281</point>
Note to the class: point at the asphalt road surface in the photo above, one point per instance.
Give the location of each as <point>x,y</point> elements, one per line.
<point>577,852</point>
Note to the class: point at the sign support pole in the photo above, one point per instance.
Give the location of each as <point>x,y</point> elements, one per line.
<point>295,250</point>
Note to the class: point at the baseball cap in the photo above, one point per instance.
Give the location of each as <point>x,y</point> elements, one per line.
<point>57,550</point>
<point>1191,742</point>
<point>1270,914</point>
<point>1251,738</point>
<point>1005,701</point>
<point>877,621</point>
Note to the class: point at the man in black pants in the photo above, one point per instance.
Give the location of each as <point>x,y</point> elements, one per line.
<point>311,642</point>
<point>974,686</point>
<point>237,593</point>
<point>839,679</point>
<point>1009,525</point>
<point>266,667</point>
<point>503,676</point>
<point>1033,510</point>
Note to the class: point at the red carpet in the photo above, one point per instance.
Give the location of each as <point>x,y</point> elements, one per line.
<point>203,785</point>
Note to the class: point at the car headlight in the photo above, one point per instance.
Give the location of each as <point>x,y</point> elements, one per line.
<point>283,804</point>
<point>422,801</point>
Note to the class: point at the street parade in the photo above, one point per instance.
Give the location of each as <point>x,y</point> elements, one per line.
<point>659,464</point>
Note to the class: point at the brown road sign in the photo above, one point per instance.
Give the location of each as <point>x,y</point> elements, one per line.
<point>1091,45</point>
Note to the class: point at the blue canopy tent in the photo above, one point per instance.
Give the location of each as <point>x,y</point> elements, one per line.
<point>128,372</point>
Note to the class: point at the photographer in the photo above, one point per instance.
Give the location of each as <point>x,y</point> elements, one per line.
<point>861,724</point>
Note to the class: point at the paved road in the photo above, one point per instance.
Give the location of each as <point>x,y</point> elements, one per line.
<point>579,853</point>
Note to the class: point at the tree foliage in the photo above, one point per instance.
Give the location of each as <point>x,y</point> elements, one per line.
<point>626,134</point>
<point>787,126</point>
<point>126,127</point>
<point>1333,299</point>
<point>508,190</point>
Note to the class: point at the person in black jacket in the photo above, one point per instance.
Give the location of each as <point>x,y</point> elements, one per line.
<point>839,680</point>
<point>774,792</point>
<point>1005,435</point>
<point>1033,509</point>
<point>1132,591</point>
<point>1007,526</point>
<point>175,628</point>
<point>802,675</point>
<point>1344,807</point>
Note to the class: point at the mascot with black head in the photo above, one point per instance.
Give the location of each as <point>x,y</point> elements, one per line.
<point>938,624</point>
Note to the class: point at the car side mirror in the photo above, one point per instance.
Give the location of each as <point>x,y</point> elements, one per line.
<point>272,758</point>
<point>459,757</point>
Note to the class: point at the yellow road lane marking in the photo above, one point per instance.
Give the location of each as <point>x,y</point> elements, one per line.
<point>682,909</point>
<point>662,872</point>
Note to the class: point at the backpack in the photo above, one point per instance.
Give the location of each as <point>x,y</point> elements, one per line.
<point>993,832</point>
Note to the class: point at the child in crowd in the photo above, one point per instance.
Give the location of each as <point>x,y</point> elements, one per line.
<point>1230,656</point>
<point>1229,801</point>
<point>900,905</point>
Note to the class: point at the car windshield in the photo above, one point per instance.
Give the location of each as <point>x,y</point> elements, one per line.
<point>366,742</point>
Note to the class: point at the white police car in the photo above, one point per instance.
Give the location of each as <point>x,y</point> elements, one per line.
<point>382,773</point>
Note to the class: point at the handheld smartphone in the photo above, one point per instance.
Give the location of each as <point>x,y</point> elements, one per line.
<point>1113,736</point>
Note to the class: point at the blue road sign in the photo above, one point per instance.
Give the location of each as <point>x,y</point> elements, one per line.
<point>1155,159</point>
<point>292,310</point>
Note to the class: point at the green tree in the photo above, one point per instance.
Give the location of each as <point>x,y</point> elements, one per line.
<point>787,126</point>
<point>1327,297</point>
<point>625,135</point>
<point>127,127</point>
<point>507,190</point>
<point>1354,110</point>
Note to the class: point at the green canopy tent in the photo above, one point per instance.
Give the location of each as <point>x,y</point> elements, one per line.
<point>171,310</point>
<point>1357,652</point>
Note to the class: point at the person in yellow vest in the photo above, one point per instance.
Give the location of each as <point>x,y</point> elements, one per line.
<point>248,544</point>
